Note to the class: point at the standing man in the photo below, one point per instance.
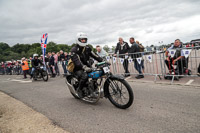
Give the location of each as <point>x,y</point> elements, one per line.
<point>51,64</point>
<point>56,63</point>
<point>123,48</point>
<point>134,51</point>
<point>62,58</point>
<point>30,64</point>
<point>25,67</point>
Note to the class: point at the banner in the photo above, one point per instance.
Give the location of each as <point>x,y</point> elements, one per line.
<point>139,60</point>
<point>121,60</point>
<point>149,58</point>
<point>126,56</point>
<point>114,59</point>
<point>172,52</point>
<point>108,58</point>
<point>44,45</point>
<point>130,60</point>
<point>186,52</point>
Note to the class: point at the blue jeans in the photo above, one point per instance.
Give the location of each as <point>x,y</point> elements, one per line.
<point>137,67</point>
<point>32,71</point>
<point>64,67</point>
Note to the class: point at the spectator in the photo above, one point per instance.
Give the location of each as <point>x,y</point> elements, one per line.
<point>134,51</point>
<point>17,68</point>
<point>56,63</point>
<point>3,66</point>
<point>141,50</point>
<point>101,52</point>
<point>58,54</point>
<point>123,48</point>
<point>30,64</point>
<point>178,59</point>
<point>9,67</point>
<point>62,58</point>
<point>25,67</point>
<point>51,64</point>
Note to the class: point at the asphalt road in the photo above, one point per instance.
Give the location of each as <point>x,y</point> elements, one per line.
<point>156,108</point>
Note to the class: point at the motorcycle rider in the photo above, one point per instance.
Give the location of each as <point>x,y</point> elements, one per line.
<point>80,55</point>
<point>35,62</point>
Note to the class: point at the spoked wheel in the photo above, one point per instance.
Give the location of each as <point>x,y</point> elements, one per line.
<point>120,93</point>
<point>45,75</point>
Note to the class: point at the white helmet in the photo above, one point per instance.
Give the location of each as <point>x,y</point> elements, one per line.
<point>81,36</point>
<point>34,55</point>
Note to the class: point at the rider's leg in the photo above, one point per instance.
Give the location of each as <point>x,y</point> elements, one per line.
<point>32,71</point>
<point>83,79</point>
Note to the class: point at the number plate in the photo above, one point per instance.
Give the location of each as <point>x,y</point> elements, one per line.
<point>106,69</point>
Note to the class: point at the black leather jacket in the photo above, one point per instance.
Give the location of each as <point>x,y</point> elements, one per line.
<point>36,62</point>
<point>81,58</point>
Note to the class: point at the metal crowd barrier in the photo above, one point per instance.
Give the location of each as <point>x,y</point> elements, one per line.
<point>155,64</point>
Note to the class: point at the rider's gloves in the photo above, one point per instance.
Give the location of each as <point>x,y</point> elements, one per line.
<point>87,69</point>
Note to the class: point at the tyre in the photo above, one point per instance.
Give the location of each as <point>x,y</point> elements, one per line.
<point>45,76</point>
<point>117,89</point>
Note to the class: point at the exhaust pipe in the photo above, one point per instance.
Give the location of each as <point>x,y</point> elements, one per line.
<point>71,88</point>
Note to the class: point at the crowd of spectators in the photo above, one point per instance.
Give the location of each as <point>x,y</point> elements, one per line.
<point>56,63</point>
<point>52,61</point>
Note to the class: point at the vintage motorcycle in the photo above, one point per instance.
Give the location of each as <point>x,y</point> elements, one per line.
<point>102,83</point>
<point>40,73</point>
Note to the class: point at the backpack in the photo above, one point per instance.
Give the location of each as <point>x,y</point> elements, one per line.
<point>70,65</point>
<point>141,47</point>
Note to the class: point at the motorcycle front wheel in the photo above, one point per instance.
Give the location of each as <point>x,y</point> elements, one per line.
<point>120,93</point>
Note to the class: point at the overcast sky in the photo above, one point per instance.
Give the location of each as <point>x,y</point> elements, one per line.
<point>149,21</point>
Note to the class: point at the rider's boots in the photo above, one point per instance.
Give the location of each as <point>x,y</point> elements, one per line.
<point>80,89</point>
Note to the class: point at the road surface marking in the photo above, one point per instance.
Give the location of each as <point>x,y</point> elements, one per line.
<point>189,82</point>
<point>21,81</point>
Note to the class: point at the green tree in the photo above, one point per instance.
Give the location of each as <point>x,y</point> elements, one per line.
<point>4,46</point>
<point>113,48</point>
<point>106,48</point>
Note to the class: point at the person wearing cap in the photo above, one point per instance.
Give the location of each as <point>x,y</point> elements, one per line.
<point>25,67</point>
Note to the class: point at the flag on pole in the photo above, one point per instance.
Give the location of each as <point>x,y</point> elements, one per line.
<point>44,45</point>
